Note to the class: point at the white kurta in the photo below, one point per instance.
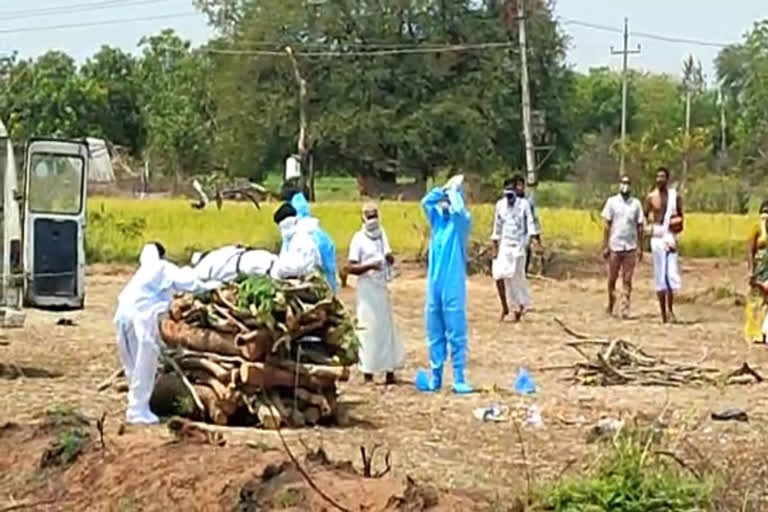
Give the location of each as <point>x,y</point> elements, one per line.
<point>381,348</point>
<point>513,225</point>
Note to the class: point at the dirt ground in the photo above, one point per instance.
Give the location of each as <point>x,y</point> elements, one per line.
<point>432,438</point>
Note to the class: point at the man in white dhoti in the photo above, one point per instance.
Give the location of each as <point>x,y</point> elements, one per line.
<point>513,226</point>
<point>665,207</point>
<point>300,254</point>
<point>226,264</point>
<point>370,258</point>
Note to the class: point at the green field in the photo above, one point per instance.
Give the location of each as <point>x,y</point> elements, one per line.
<point>117,228</point>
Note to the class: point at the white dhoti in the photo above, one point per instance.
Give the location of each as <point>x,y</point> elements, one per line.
<point>381,349</point>
<point>509,266</point>
<point>666,267</point>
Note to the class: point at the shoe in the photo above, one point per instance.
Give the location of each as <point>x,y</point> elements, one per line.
<point>460,386</point>
<point>368,378</point>
<point>427,384</point>
<point>141,418</point>
<point>390,379</point>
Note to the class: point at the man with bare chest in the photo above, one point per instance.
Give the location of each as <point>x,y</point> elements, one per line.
<point>664,210</point>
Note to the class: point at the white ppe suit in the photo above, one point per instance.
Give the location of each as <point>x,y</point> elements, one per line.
<point>227,263</point>
<point>299,255</point>
<point>146,296</point>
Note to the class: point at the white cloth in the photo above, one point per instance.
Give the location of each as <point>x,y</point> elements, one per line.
<point>515,281</point>
<point>626,217</point>
<point>147,295</point>
<point>227,263</point>
<point>299,255</point>
<point>364,250</point>
<point>513,225</point>
<point>381,348</point>
<point>666,265</point>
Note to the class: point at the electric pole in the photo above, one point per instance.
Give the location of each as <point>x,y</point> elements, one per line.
<point>625,53</point>
<point>723,125</point>
<point>530,151</point>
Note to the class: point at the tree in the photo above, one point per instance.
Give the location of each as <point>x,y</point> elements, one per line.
<point>116,72</point>
<point>177,105</point>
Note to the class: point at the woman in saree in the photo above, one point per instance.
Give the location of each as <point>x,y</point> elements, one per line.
<point>755,314</point>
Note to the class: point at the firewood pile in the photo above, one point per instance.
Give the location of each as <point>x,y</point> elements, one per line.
<point>262,352</point>
<point>619,362</point>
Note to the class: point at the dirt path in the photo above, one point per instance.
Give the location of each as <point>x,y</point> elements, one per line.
<point>436,438</point>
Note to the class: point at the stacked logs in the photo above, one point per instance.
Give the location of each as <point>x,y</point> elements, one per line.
<point>262,352</point>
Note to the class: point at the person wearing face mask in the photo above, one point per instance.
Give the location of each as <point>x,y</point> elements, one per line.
<point>513,226</point>
<point>755,319</point>
<point>146,296</point>
<point>622,242</point>
<point>445,308</point>
<point>370,258</point>
<point>299,255</point>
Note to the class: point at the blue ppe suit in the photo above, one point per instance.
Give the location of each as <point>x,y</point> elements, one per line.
<point>324,242</point>
<point>445,310</point>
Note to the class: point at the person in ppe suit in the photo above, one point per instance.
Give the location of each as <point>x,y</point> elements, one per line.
<point>227,263</point>
<point>445,310</point>
<point>299,255</point>
<point>146,296</point>
<point>324,242</point>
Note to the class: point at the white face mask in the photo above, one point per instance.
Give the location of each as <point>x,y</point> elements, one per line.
<point>372,224</point>
<point>444,206</point>
<point>764,216</point>
<point>624,188</point>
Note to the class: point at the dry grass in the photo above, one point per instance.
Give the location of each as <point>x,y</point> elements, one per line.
<point>436,437</point>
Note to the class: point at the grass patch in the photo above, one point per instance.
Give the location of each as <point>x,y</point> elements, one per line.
<point>631,477</point>
<point>119,227</point>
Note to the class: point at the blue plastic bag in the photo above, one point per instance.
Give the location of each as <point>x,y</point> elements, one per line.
<point>524,383</point>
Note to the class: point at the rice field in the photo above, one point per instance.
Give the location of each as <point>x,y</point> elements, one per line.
<point>117,228</point>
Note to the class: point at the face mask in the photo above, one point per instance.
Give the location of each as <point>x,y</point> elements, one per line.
<point>372,224</point>
<point>624,188</point>
<point>444,206</point>
<point>764,216</point>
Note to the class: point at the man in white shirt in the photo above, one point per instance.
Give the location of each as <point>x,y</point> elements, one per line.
<point>513,226</point>
<point>299,255</point>
<point>226,263</point>
<point>622,241</point>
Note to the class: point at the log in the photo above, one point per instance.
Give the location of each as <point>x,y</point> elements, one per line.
<point>211,402</point>
<point>180,306</point>
<point>316,400</point>
<point>335,373</point>
<point>183,335</point>
<point>254,344</point>
<point>258,376</point>
<point>269,417</point>
<point>199,363</point>
<point>311,416</point>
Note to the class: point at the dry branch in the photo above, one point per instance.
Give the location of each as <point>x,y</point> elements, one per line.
<point>619,362</point>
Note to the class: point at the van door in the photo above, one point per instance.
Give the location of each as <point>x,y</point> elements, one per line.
<point>56,177</point>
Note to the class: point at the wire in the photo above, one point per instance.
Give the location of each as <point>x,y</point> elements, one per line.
<point>73,8</point>
<point>99,23</point>
<point>646,35</point>
<point>372,53</point>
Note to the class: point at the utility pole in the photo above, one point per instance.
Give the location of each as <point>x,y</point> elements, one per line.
<point>723,125</point>
<point>530,152</point>
<point>625,53</point>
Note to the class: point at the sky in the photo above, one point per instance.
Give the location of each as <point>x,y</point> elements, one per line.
<point>27,27</point>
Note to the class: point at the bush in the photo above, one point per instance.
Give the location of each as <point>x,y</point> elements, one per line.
<point>630,478</point>
<point>717,193</point>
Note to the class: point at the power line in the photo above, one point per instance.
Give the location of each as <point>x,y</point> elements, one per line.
<point>100,23</point>
<point>646,35</point>
<point>74,8</point>
<point>372,53</point>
